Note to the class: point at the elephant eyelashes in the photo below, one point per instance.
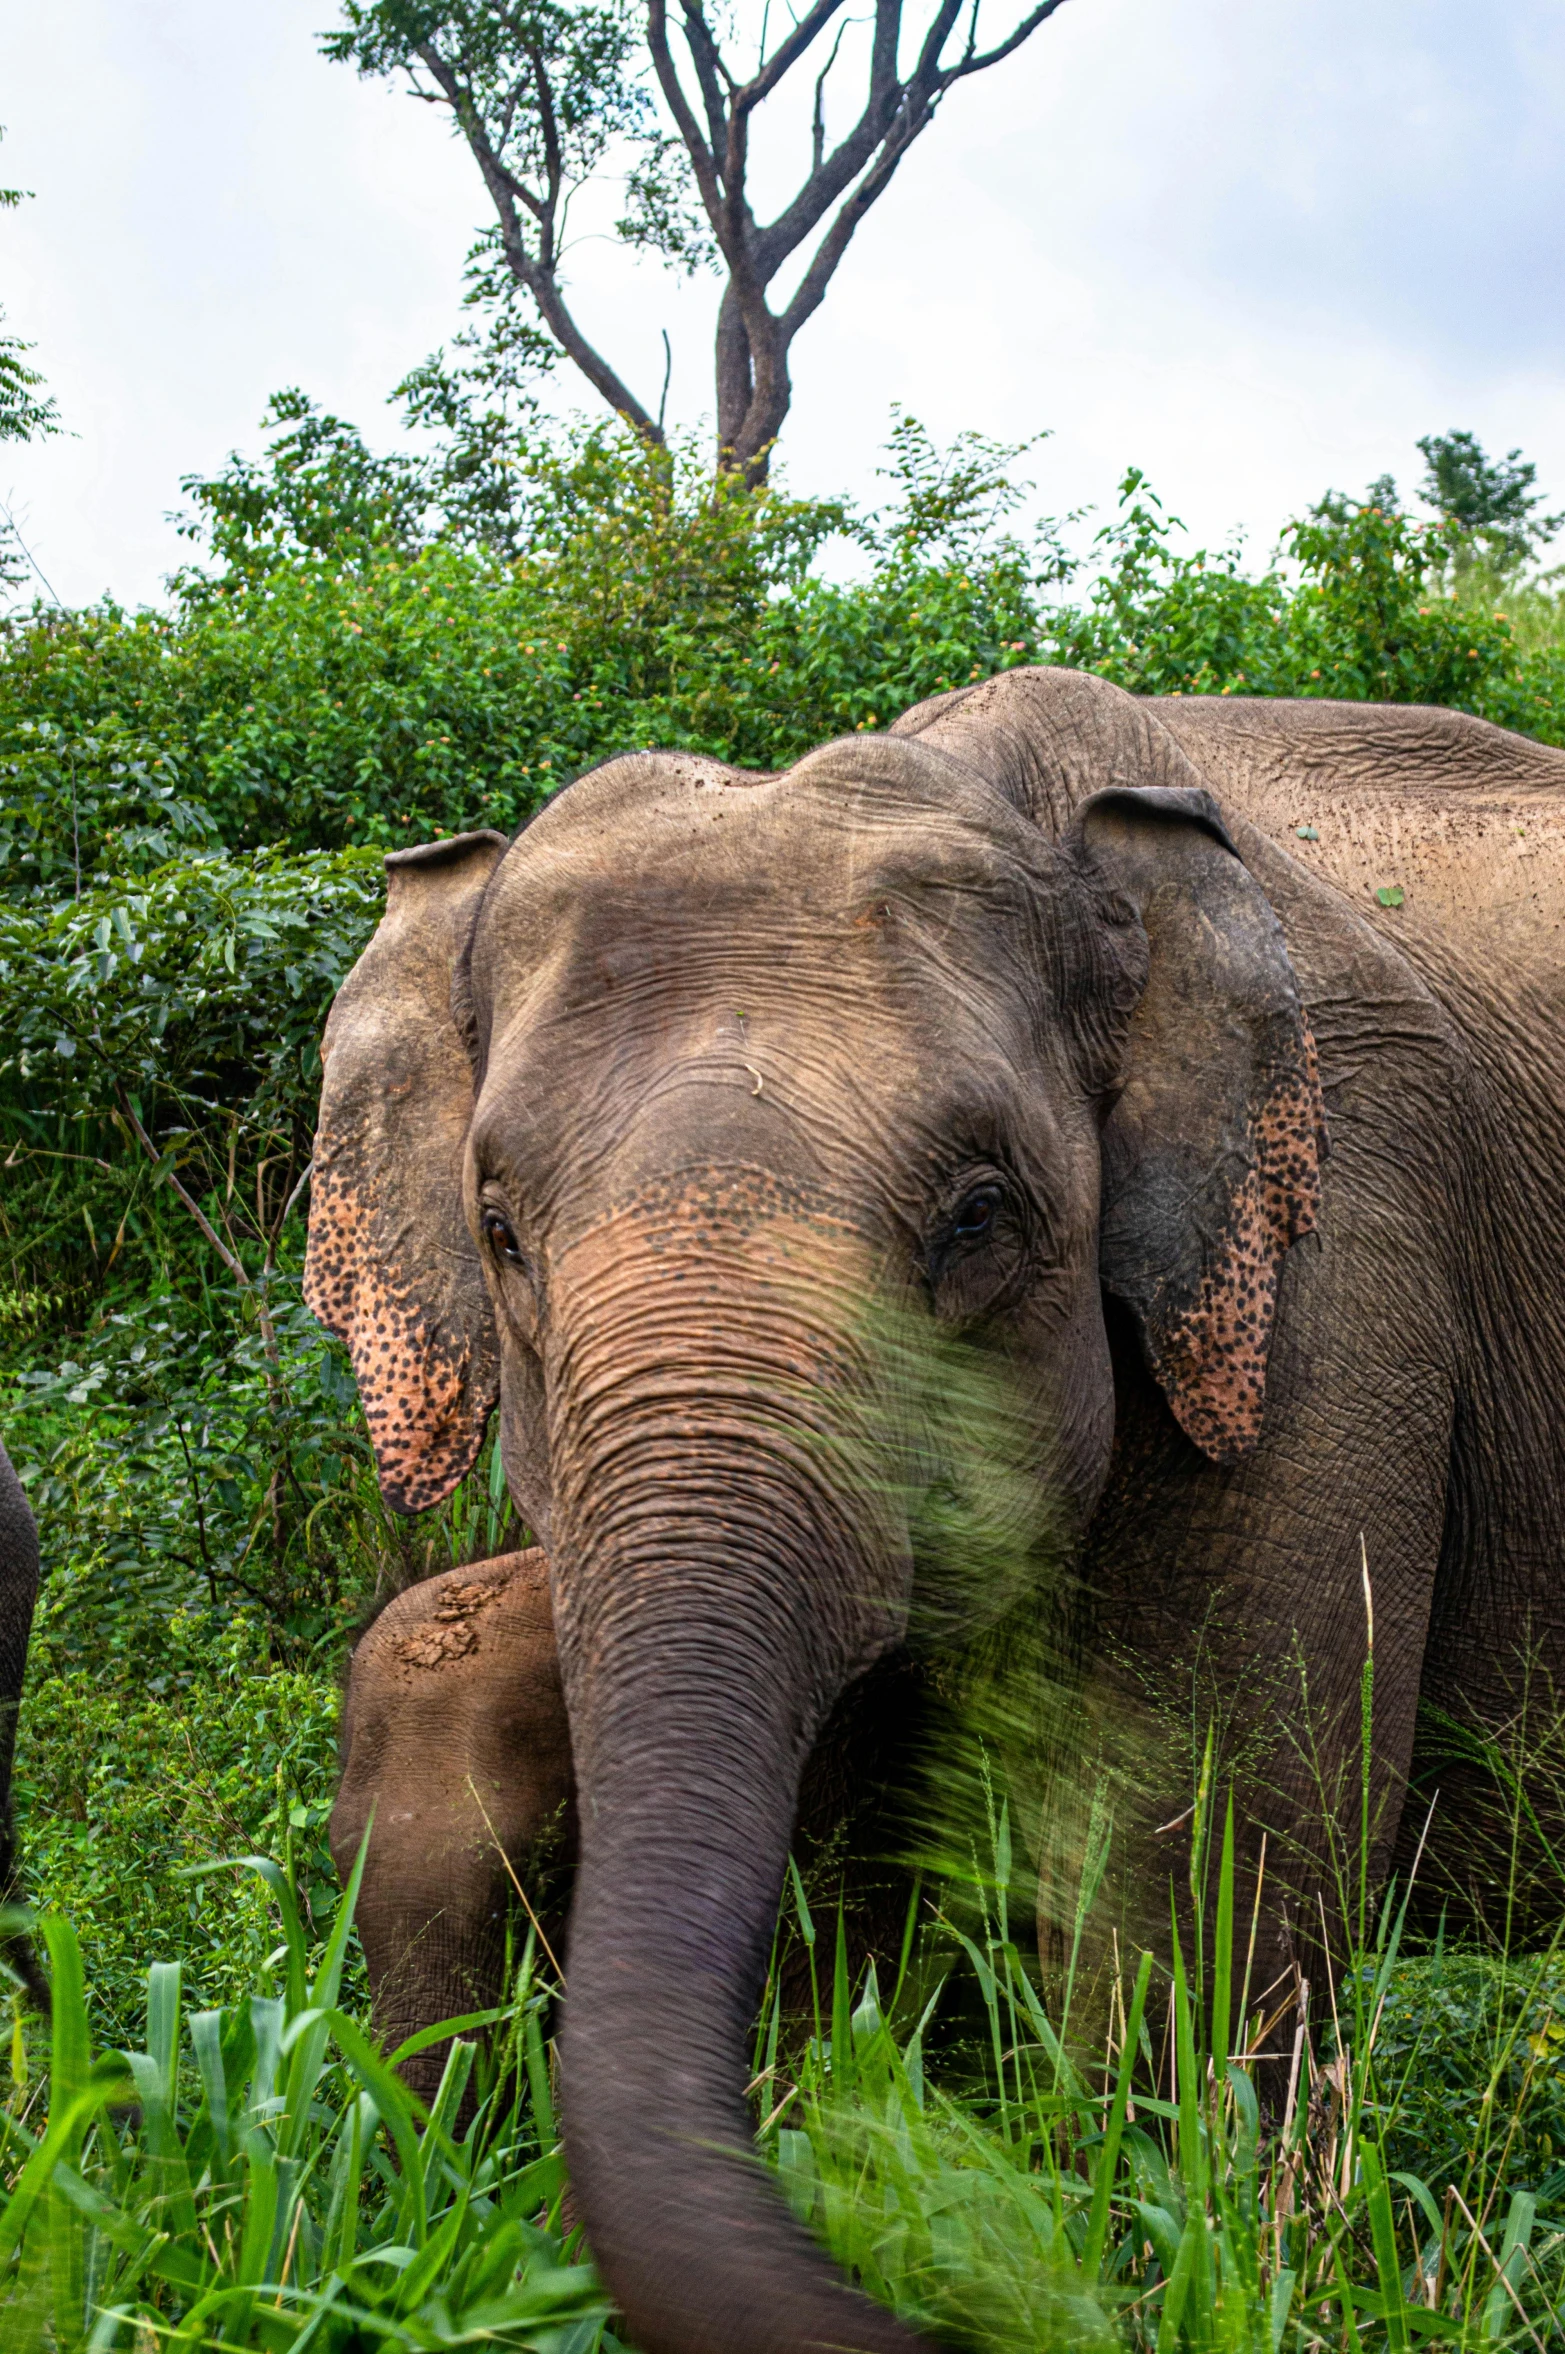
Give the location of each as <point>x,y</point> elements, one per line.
<point>975,1217</point>
<point>976,1253</point>
<point>500,1238</point>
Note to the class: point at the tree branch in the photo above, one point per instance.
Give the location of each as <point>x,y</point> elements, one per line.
<point>717,83</point>
<point>703,157</point>
<point>818,119</point>
<point>537,272</point>
<point>166,1168</point>
<point>786,55</point>
<point>848,158</point>
<point>920,96</point>
<point>1013,41</point>
<point>541,101</point>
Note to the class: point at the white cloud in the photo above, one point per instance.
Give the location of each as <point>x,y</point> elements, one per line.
<point>1256,251</point>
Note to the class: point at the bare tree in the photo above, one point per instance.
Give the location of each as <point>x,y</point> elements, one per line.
<point>548,94</point>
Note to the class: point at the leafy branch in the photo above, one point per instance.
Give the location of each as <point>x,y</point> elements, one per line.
<point>550,96</point>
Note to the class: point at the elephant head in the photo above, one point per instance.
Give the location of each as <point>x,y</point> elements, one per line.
<point>625,1125</point>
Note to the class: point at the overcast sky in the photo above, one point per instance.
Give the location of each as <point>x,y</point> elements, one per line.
<point>1255,249</point>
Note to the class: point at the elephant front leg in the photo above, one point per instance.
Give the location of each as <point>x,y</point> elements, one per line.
<point>456,1762</point>
<point>18,1592</point>
<point>1242,1606</point>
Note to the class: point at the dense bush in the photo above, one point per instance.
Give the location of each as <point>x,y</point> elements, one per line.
<point>374,689</point>
<point>124,1790</point>
<point>1472,2057</point>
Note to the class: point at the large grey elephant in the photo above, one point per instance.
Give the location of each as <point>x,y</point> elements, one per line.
<point>1030,1019</point>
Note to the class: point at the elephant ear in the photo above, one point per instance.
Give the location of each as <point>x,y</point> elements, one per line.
<point>1212,1152</point>
<point>391,1268</point>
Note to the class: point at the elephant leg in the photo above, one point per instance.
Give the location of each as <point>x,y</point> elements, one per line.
<point>856,1829</point>
<point>456,1763</point>
<point>1490,1763</point>
<point>18,1592</point>
<point>1243,1603</point>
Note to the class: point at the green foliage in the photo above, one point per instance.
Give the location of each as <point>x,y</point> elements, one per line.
<point>73,802</point>
<point>194,806</point>
<point>1472,2047</point>
<point>187,1433</point>
<point>478,407</point>
<point>274,2184</point>
<point>248,2172</point>
<point>1364,621</point>
<point>587,54</point>
<point>1489,505</point>
<point>129,1780</point>
<point>23,416</point>
<point>177,1466</point>
<point>170,1023</point>
<point>195,991</point>
<point>318,490</point>
<point>1376,631</point>
<point>1123,2190</point>
<point>364,668</point>
<point>358,695</point>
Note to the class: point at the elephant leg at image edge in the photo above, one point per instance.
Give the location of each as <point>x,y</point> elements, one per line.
<point>18,1593</point>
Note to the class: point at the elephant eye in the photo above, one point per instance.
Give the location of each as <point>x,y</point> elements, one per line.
<point>500,1238</point>
<point>974,1216</point>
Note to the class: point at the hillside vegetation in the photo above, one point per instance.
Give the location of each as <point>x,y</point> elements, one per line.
<point>195,803</point>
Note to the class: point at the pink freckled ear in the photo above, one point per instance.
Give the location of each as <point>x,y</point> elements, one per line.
<point>1212,1151</point>
<point>1211,1361</point>
<point>391,1268</point>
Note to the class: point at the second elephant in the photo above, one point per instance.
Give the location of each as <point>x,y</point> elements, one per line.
<point>456,1748</point>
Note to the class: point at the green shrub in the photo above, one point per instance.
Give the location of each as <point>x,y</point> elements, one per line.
<point>1472,2053</point>
<point>120,1790</point>
<point>254,2175</point>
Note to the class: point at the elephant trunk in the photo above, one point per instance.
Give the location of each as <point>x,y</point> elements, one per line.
<point>716,1590</point>
<point>698,2249</point>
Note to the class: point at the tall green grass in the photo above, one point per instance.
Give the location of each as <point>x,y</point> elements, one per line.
<point>1132,2191</point>
<point>1191,2166</point>
<point>257,2176</point>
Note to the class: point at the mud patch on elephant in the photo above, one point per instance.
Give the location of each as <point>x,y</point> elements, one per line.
<point>449,1634</point>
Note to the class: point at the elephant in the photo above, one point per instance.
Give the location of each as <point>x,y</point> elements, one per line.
<point>455,1745</point>
<point>1192,1062</point>
<point>455,1750</point>
<point>18,1593</point>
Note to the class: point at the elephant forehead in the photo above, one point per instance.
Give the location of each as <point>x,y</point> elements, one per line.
<point>808,839</point>
<point>667,923</point>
